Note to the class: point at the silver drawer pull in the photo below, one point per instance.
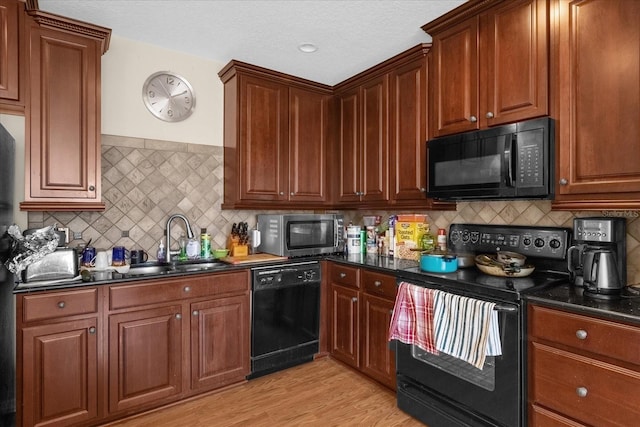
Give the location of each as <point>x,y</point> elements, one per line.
<point>582,391</point>
<point>178,316</point>
<point>581,334</point>
<point>354,299</point>
<point>61,304</point>
<point>187,289</point>
<point>377,283</point>
<point>195,312</point>
<point>343,275</point>
<point>92,330</point>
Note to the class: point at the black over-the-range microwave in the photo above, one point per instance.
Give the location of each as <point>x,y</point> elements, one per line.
<point>514,161</point>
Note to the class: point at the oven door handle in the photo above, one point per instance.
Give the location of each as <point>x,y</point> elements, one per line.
<point>507,308</point>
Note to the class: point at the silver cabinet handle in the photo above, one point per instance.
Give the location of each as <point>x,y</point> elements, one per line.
<point>354,299</point>
<point>282,193</point>
<point>473,119</point>
<point>92,188</point>
<point>187,289</point>
<point>195,312</point>
<point>377,283</point>
<point>92,330</point>
<point>581,334</point>
<point>61,304</point>
<point>292,194</point>
<point>423,189</point>
<point>178,316</point>
<point>582,391</point>
<point>563,181</point>
<point>343,275</point>
<point>489,115</point>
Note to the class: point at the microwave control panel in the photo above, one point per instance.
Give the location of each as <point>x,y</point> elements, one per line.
<point>530,172</point>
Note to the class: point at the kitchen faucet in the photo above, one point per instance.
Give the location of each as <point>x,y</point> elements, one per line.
<point>168,233</point>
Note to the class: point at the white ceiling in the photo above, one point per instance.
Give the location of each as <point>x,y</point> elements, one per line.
<point>351,35</point>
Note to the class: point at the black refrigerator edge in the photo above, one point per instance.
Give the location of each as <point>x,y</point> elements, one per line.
<point>7,281</point>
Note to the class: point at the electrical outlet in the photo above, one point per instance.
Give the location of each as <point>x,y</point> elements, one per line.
<point>77,235</point>
<point>125,233</point>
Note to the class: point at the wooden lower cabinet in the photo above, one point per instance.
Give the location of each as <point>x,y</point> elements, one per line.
<point>145,357</point>
<point>361,308</point>
<point>583,371</point>
<point>93,355</point>
<point>58,351</point>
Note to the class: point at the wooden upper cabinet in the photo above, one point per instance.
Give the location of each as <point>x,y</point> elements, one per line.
<point>364,142</point>
<point>62,171</point>
<point>275,139</point>
<point>598,104</point>
<point>308,138</point>
<point>10,64</point>
<point>490,68</point>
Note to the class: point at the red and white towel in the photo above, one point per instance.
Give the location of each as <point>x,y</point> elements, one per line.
<point>435,321</point>
<point>412,321</point>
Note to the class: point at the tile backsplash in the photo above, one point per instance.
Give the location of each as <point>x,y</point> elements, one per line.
<point>145,181</point>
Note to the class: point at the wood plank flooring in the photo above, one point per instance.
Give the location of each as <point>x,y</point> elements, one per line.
<point>320,393</point>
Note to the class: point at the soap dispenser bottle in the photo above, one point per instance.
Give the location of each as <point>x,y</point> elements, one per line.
<point>161,255</point>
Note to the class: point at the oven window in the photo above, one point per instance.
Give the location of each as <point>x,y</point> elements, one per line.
<point>485,377</point>
<point>310,234</point>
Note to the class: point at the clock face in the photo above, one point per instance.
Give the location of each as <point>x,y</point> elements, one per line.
<point>168,96</point>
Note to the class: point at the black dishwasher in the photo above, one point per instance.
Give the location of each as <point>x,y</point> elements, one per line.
<point>285,316</point>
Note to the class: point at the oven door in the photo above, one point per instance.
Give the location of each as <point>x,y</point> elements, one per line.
<point>443,391</point>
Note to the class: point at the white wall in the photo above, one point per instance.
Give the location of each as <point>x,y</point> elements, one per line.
<point>126,66</point>
<point>15,126</point>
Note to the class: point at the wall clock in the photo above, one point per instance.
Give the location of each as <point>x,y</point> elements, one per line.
<point>168,96</point>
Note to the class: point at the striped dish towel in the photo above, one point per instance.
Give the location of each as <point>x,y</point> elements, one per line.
<point>466,328</point>
<point>412,320</point>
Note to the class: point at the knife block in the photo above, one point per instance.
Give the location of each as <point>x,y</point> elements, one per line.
<point>240,250</point>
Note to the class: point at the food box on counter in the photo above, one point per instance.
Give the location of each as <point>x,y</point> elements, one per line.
<point>409,229</point>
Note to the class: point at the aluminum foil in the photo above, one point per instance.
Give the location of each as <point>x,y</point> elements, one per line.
<point>26,250</point>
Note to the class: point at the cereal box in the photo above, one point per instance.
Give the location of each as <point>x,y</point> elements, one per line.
<point>409,229</point>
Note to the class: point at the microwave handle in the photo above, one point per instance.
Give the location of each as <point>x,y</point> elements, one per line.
<point>509,158</point>
<point>336,234</point>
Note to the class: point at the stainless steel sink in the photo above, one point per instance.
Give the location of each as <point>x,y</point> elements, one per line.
<point>147,270</point>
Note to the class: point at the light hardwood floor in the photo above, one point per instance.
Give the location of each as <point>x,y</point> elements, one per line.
<point>320,393</point>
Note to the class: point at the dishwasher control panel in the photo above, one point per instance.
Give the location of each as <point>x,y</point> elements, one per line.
<point>285,275</point>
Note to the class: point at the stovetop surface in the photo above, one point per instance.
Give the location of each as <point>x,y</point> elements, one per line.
<point>545,248</point>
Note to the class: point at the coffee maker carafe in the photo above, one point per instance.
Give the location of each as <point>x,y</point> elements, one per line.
<point>597,260</point>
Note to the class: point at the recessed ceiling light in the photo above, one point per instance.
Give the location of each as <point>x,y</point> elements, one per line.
<point>307,47</point>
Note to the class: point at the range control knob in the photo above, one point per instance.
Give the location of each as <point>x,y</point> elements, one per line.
<point>526,241</point>
<point>538,243</point>
<point>555,243</point>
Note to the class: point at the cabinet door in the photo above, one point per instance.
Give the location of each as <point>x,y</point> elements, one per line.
<point>263,152</point>
<point>349,147</point>
<point>454,80</point>
<point>145,357</point>
<point>514,72</point>
<point>344,324</point>
<point>63,121</point>
<point>378,360</point>
<point>374,155</point>
<point>60,371</point>
<point>308,124</point>
<point>409,132</point>
<point>9,58</point>
<point>599,96</point>
<point>219,342</point>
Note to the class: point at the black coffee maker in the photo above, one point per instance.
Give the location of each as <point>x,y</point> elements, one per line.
<point>597,260</point>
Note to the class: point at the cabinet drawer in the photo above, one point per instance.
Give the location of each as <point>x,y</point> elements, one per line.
<point>585,333</point>
<point>344,275</point>
<point>159,291</point>
<point>585,389</point>
<point>379,284</point>
<point>59,304</point>
<point>540,417</point>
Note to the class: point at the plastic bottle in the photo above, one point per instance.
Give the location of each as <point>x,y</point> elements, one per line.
<point>442,239</point>
<point>193,248</point>
<point>161,256</point>
<point>182,255</point>
<point>205,244</point>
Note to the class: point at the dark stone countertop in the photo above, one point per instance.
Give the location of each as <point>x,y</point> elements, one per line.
<point>572,298</point>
